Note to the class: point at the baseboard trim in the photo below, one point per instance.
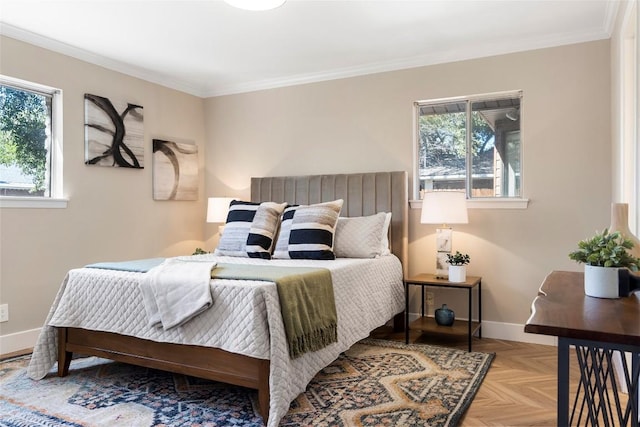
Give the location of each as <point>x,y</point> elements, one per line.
<point>514,332</point>
<point>18,342</point>
<point>508,332</point>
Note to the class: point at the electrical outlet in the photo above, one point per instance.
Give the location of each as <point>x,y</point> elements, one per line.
<point>4,312</point>
<point>430,301</point>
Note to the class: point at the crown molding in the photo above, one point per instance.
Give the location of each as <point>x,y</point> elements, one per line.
<point>13,32</point>
<point>213,90</point>
<point>610,16</point>
<point>433,58</point>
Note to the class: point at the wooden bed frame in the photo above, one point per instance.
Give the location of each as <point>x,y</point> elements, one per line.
<point>363,194</point>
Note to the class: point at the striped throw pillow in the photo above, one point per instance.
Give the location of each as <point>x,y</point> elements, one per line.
<point>312,230</point>
<point>263,229</point>
<point>240,238</point>
<point>281,250</point>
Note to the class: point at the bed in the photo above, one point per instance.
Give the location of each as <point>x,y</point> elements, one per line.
<point>256,358</point>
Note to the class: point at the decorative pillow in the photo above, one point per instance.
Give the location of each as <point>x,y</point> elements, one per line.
<point>249,228</point>
<point>359,237</point>
<point>312,231</point>
<point>307,231</point>
<point>281,249</point>
<point>263,229</point>
<point>385,248</point>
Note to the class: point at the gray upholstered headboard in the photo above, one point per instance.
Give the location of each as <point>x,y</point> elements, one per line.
<point>363,194</point>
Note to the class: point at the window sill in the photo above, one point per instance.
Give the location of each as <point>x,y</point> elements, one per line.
<point>485,204</point>
<point>33,202</point>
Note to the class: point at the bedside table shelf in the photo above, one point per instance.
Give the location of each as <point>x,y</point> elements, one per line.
<point>428,324</point>
<point>459,327</point>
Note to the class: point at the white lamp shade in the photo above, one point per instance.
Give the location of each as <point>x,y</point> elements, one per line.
<point>444,207</point>
<point>218,208</point>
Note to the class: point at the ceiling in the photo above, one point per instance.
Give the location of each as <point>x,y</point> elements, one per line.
<point>208,48</point>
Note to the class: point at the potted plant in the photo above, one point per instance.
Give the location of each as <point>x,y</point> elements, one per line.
<point>457,267</point>
<point>604,255</point>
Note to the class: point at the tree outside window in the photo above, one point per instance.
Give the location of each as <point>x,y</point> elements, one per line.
<point>472,144</point>
<point>25,141</point>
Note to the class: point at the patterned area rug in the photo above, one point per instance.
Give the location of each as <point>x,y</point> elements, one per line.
<point>375,383</point>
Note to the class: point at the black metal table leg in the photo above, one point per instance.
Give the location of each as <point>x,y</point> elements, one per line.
<point>563,382</point>
<point>406,313</point>
<point>470,319</point>
<point>480,308</point>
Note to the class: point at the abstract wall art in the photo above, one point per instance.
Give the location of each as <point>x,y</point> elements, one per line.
<point>175,170</point>
<point>114,133</point>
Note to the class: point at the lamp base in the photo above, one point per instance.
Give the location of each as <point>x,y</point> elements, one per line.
<point>443,247</point>
<point>442,269</point>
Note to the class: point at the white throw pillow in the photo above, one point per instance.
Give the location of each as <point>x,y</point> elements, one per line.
<point>360,237</point>
<point>385,249</point>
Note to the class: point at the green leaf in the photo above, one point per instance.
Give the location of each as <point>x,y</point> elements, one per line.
<point>606,249</point>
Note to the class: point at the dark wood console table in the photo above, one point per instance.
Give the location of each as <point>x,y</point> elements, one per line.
<point>601,330</point>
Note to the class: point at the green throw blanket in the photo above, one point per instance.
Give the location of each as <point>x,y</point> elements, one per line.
<point>306,301</point>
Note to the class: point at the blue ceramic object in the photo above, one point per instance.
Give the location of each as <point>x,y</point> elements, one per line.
<point>445,316</point>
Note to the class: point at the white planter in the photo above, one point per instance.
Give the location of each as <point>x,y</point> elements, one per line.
<point>601,282</point>
<point>457,273</point>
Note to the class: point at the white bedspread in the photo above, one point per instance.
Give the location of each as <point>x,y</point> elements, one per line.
<point>244,318</point>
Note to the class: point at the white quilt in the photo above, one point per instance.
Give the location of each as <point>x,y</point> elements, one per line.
<point>244,318</point>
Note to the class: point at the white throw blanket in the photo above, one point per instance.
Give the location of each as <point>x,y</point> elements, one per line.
<point>176,291</point>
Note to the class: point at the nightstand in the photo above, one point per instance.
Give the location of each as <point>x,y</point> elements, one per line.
<point>428,324</point>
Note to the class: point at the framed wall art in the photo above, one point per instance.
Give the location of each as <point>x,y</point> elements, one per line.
<point>175,170</point>
<point>114,133</point>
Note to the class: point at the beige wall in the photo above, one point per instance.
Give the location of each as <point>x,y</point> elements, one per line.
<point>365,124</point>
<point>349,125</point>
<point>111,214</point>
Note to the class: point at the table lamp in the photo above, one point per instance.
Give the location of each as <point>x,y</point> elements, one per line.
<point>217,210</point>
<point>443,207</point>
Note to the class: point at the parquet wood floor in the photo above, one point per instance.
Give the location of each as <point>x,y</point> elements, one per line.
<point>520,387</point>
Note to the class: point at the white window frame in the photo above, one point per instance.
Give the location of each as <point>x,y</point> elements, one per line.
<point>56,198</point>
<point>472,203</point>
<point>628,178</point>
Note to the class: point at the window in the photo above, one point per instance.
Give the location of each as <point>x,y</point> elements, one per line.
<point>471,144</point>
<point>30,143</point>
